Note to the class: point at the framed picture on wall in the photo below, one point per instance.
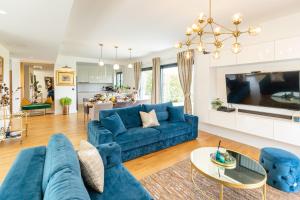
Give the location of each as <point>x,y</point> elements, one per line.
<point>65,78</point>
<point>1,69</point>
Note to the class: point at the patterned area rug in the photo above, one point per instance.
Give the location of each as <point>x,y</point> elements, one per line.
<point>174,183</point>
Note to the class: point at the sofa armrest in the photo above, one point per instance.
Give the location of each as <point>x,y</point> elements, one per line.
<point>97,134</point>
<point>24,179</point>
<point>193,120</point>
<point>110,154</point>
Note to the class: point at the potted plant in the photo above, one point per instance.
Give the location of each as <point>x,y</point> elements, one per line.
<point>65,102</point>
<point>217,103</point>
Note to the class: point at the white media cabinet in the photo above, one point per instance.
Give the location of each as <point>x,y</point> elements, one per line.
<point>278,129</point>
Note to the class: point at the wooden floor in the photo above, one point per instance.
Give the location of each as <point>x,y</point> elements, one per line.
<point>42,127</point>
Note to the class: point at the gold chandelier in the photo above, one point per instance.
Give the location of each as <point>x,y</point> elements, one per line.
<point>205,27</point>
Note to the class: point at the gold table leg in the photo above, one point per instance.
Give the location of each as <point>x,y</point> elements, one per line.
<point>221,191</point>
<point>264,193</point>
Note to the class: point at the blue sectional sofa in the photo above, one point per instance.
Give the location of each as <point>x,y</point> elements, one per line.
<point>53,173</point>
<point>138,141</point>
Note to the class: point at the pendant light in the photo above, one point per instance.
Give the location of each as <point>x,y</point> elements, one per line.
<point>101,62</point>
<point>116,66</point>
<point>130,65</point>
<point>206,25</point>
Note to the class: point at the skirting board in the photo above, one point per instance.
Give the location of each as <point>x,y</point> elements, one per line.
<point>248,139</point>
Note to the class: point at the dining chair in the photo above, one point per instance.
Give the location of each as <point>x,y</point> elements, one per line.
<point>94,111</point>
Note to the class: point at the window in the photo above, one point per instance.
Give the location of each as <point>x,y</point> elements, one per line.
<point>146,83</point>
<point>119,79</point>
<point>170,85</point>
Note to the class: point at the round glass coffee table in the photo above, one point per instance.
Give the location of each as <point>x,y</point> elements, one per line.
<point>247,174</point>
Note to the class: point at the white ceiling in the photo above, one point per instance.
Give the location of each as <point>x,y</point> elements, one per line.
<point>34,29</point>
<point>39,27</point>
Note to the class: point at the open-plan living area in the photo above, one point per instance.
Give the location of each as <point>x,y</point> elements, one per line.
<point>149,100</point>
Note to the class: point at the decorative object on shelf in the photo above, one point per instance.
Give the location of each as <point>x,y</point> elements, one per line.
<point>223,158</point>
<point>65,102</point>
<point>1,69</point>
<point>4,92</point>
<point>225,109</point>
<point>206,27</point>
<point>7,131</point>
<point>101,62</point>
<point>65,77</point>
<point>217,103</point>
<point>130,65</point>
<point>116,65</point>
<point>296,117</point>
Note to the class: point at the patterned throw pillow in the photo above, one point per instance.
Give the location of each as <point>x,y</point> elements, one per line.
<point>91,165</point>
<point>149,119</point>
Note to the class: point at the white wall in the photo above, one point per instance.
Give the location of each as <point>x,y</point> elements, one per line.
<point>167,56</point>
<point>65,91</point>
<point>15,67</point>
<point>5,54</point>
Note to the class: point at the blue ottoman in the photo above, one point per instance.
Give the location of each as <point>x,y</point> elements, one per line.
<point>282,167</point>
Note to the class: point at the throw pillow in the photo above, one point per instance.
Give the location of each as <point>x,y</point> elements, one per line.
<point>91,164</point>
<point>49,100</point>
<point>176,113</point>
<point>149,119</point>
<point>25,102</point>
<point>114,124</point>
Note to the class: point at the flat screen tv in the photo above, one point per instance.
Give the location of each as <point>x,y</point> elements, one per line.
<point>274,89</point>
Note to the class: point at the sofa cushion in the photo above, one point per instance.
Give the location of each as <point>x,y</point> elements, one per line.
<point>160,109</point>
<point>91,164</point>
<point>66,185</point>
<point>137,137</point>
<point>120,184</point>
<point>130,115</point>
<point>114,124</point>
<point>60,155</point>
<point>176,113</point>
<point>149,119</point>
<point>170,129</point>
<point>24,179</point>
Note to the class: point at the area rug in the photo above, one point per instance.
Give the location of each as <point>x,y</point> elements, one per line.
<point>174,183</point>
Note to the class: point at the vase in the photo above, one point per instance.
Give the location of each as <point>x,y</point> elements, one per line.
<point>65,110</point>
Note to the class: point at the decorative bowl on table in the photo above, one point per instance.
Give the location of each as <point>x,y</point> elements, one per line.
<point>223,159</point>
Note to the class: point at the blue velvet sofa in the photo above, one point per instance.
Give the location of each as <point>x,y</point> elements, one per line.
<point>53,173</point>
<point>138,141</point>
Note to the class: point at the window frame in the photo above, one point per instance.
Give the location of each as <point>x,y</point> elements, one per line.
<point>144,69</point>
<point>162,67</point>
<point>121,79</point>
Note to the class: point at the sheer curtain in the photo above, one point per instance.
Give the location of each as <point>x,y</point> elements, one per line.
<point>185,69</point>
<point>155,96</point>
<point>137,69</point>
